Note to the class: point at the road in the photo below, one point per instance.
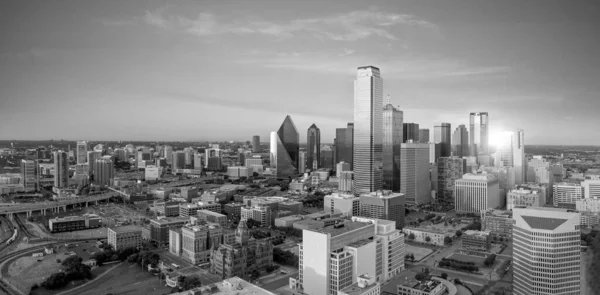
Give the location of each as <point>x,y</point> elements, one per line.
<point>21,208</point>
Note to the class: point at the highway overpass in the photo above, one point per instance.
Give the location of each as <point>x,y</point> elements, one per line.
<point>54,206</point>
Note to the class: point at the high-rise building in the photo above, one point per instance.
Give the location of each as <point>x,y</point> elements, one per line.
<point>61,169</point>
<point>423,135</point>
<point>82,148</point>
<point>519,159</point>
<point>442,133</point>
<point>92,156</point>
<point>383,205</point>
<point>538,170</point>
<point>197,161</point>
<point>547,251</point>
<point>341,167</point>
<point>591,188</point>
<point>410,131</point>
<point>326,157</point>
<point>435,151</point>
<point>565,194</point>
<point>346,182</point>
<point>302,162</point>
<point>285,149</point>
<point>415,182</point>
<point>476,192</point>
<point>198,240</point>
<point>342,203</point>
<point>368,130</point>
<point>525,197</point>
<point>504,152</point>
<point>177,160</point>
<point>478,140</point>
<point>344,142</point>
<point>460,142</point>
<point>104,171</point>
<point>392,139</point>
<point>449,170</point>
<point>256,144</point>
<point>313,147</point>
<point>29,175</point>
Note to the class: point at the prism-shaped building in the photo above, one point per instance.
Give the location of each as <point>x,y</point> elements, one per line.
<point>285,149</point>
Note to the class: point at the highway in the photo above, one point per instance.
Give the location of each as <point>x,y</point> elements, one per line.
<point>22,208</point>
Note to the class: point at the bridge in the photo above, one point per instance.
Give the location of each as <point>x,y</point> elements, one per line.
<point>54,206</point>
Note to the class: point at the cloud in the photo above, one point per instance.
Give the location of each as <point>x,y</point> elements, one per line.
<point>347,52</point>
<point>116,23</point>
<point>351,26</point>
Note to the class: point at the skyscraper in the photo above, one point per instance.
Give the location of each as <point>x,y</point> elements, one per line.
<point>344,142</point>
<point>476,192</point>
<point>61,169</point>
<point>414,173</point>
<point>460,142</point>
<point>442,135</point>
<point>519,159</point>
<point>104,171</point>
<point>286,143</point>
<point>81,152</point>
<point>423,135</point>
<point>410,131</point>
<point>392,139</point>
<point>273,149</point>
<point>178,160</point>
<point>449,170</point>
<point>547,251</point>
<point>313,147</point>
<point>478,140</point>
<point>256,144</point>
<point>302,162</point>
<point>504,151</point>
<point>368,131</point>
<point>29,175</point>
<point>383,205</point>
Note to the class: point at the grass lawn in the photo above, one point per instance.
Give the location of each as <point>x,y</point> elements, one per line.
<point>419,252</point>
<point>462,290</point>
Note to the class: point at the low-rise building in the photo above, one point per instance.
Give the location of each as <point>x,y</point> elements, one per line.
<point>293,206</point>
<point>168,209</point>
<point>257,213</point>
<point>198,240</point>
<point>363,286</point>
<point>287,221</point>
<point>230,286</point>
<point>309,224</point>
<point>345,204</point>
<point>427,235</point>
<point>474,240</point>
<point>124,237</point>
<point>233,210</point>
<point>525,197</point>
<point>72,223</point>
<point>412,286</point>
<point>498,222</point>
<point>159,228</point>
<point>210,216</point>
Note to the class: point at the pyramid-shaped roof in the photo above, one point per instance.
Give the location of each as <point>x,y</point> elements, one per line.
<point>546,223</point>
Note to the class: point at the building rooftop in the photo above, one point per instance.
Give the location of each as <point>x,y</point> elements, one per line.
<point>342,228</point>
<point>208,212</point>
<point>341,196</point>
<point>428,229</point>
<point>479,176</point>
<point>355,289</point>
<point>360,243</point>
<point>384,194</point>
<point>168,220</point>
<point>498,213</point>
<point>392,285</point>
<point>425,285</point>
<point>126,229</point>
<point>483,233</point>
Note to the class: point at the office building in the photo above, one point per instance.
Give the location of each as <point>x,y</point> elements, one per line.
<point>198,240</point>
<point>29,175</point>
<point>435,152</point>
<point>547,251</point>
<point>167,208</point>
<point>104,171</point>
<point>152,172</point>
<point>233,210</point>
<point>61,169</point>
<point>236,172</point>
<point>344,144</point>
<point>414,173</point>
<point>178,160</point>
<point>72,223</point>
<point>443,135</point>
<point>198,164</point>
<point>448,171</point>
<point>383,204</point>
<point>341,167</point>
<point>81,152</point>
<point>342,203</point>
<point>256,144</point>
<point>460,142</point>
<point>591,188</point>
<point>212,217</point>
<point>591,205</point>
<point>497,222</point>
<point>519,159</point>
<point>392,139</point>
<point>302,162</point>
<point>261,214</point>
<point>249,162</point>
<point>410,131</point>
<point>175,239</point>
<point>124,237</point>
<point>368,130</point>
<point>231,286</point>
<point>525,197</point>
<point>566,194</point>
<point>313,147</point>
<point>423,135</point>
<point>478,140</point>
<point>476,192</point>
<point>474,240</point>
<point>285,145</point>
<point>327,157</point>
<point>159,228</point>
<point>346,182</point>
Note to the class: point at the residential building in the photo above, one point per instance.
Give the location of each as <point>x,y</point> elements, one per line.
<point>415,181</point>
<point>198,240</point>
<point>460,142</point>
<point>81,152</point>
<point>410,131</point>
<point>385,205</point>
<point>497,222</point>
<point>256,144</point>
<point>474,240</point>
<point>476,192</point>
<point>443,136</point>
<point>344,144</point>
<point>392,139</point>
<point>423,136</point>
<point>342,203</point>
<point>61,169</point>
<point>104,171</point>
<point>175,238</point>
<point>124,237</point>
<point>547,246</point>
<point>261,214</point>
<point>29,175</point>
<point>313,147</point>
<point>346,182</point>
<point>478,140</point>
<point>368,130</point>
<point>449,169</point>
<point>524,197</point>
<point>566,193</point>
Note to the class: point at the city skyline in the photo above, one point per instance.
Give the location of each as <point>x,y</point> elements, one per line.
<point>144,58</point>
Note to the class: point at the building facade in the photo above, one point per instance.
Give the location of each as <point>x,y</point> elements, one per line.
<point>385,205</point>
<point>460,142</point>
<point>448,171</point>
<point>478,140</point>
<point>476,192</point>
<point>498,222</point>
<point>61,169</point>
<point>566,193</point>
<point>414,173</point>
<point>443,135</point>
<point>392,139</point>
<point>313,147</point>
<point>124,237</point>
<point>285,144</point>
<point>474,240</point>
<point>340,203</point>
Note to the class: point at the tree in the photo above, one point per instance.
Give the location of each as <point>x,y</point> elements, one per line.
<point>411,236</point>
<point>427,239</point>
<point>489,261</point>
<point>55,281</point>
<point>447,240</point>
<point>251,223</point>
<point>191,282</point>
<point>285,257</point>
<point>445,222</point>
<point>459,233</point>
<point>444,276</point>
<point>420,276</point>
<point>412,257</point>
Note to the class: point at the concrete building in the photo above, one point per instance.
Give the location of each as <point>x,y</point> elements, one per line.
<point>61,169</point>
<point>81,152</point>
<point>340,203</point>
<point>448,171</point>
<point>256,144</point>
<point>363,286</point>
<point>443,135</point>
<point>295,207</point>
<point>212,217</point>
<point>313,147</point>
<point>233,210</point>
<point>385,205</point>
<point>411,286</point>
<point>523,197</point>
<point>566,193</point>
<point>346,182</point>
<point>197,241</point>
<point>476,192</point>
<point>236,172</point>
<point>159,228</point>
<point>168,209</point>
<point>421,235</point>
<point>230,286</point>
<point>591,205</point>
<point>175,238</point>
<point>546,247</point>
<point>124,237</point>
<point>591,188</point>
<point>29,175</point>
<point>152,172</point>
<point>415,183</point>
<point>341,167</point>
<point>73,223</point>
<point>187,209</point>
<point>257,160</point>
<point>104,171</point>
<point>497,222</point>
<point>473,240</point>
<point>261,214</point>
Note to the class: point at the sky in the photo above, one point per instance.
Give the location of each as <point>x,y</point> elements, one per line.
<point>227,70</point>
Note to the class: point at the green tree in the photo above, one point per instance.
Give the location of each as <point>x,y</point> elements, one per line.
<point>411,236</point>
<point>447,240</point>
<point>427,239</point>
<point>459,233</point>
<point>444,276</point>
<point>191,282</point>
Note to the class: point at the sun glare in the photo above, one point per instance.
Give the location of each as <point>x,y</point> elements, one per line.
<point>500,138</point>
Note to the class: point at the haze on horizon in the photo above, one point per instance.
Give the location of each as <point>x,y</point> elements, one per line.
<point>227,70</point>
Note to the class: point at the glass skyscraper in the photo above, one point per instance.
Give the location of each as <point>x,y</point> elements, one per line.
<point>392,139</point>
<point>442,133</point>
<point>313,148</point>
<point>460,142</point>
<point>519,159</point>
<point>478,141</point>
<point>368,130</point>
<point>286,148</point>
<point>410,131</point>
<point>344,142</point>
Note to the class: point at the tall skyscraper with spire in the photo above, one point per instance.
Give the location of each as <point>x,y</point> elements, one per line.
<point>460,142</point>
<point>478,140</point>
<point>313,147</point>
<point>285,149</point>
<point>368,130</point>
<point>392,139</point>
